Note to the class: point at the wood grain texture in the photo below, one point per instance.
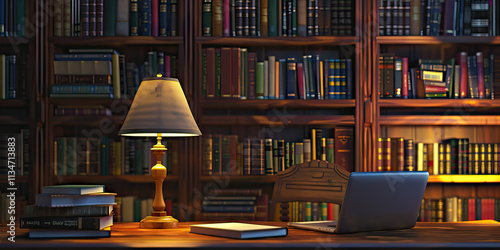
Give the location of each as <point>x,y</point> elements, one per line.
<point>424,235</point>
<point>395,40</point>
<point>278,120</point>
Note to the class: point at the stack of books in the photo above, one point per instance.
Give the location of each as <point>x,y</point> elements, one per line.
<point>70,211</point>
<point>235,204</point>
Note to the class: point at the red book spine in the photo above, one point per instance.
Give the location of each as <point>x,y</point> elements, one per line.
<point>484,209</point>
<point>434,89</point>
<point>300,80</point>
<point>472,209</point>
<point>329,213</point>
<point>100,17</point>
<point>225,19</point>
<point>463,74</point>
<point>225,71</point>
<point>168,72</point>
<point>405,77</point>
<point>480,74</point>
<point>154,17</point>
<point>92,17</point>
<point>211,72</point>
<point>262,207</point>
<point>234,76</point>
<point>344,148</point>
<point>252,60</point>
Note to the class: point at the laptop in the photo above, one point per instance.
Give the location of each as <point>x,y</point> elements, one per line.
<point>376,201</point>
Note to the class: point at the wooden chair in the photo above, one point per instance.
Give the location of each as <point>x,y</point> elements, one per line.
<point>314,181</point>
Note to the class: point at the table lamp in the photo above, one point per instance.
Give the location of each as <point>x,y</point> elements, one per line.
<point>159,109</point>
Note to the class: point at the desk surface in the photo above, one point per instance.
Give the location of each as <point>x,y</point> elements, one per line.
<point>424,235</point>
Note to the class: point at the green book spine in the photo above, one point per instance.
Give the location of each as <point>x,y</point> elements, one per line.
<point>324,211</point>
<point>259,81</point>
<point>133,18</point>
<point>272,17</point>
<point>206,17</point>
<point>110,18</point>
<point>286,155</point>
<point>308,211</point>
<point>115,62</point>
<point>292,154</point>
<point>137,210</point>
<point>20,17</point>
<point>60,156</point>
<point>71,156</point>
<point>173,65</point>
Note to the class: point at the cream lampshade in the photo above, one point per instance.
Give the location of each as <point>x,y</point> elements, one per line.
<point>159,109</point>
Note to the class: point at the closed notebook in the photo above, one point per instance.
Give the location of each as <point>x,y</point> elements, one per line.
<point>238,230</point>
<point>73,189</point>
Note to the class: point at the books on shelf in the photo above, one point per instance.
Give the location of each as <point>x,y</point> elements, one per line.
<point>97,18</point>
<point>110,156</point>
<point>465,76</point>
<point>268,18</point>
<point>235,204</point>
<point>226,155</point>
<point>438,18</point>
<point>78,210</point>
<point>239,230</point>
<point>13,17</point>
<point>20,138</point>
<point>238,73</point>
<point>11,87</point>
<point>104,73</point>
<point>295,211</point>
<point>450,156</point>
<point>454,209</point>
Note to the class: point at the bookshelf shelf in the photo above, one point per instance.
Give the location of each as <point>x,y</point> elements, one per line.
<point>19,179</point>
<point>436,40</point>
<point>90,120</point>
<point>116,41</point>
<point>470,120</point>
<point>99,179</point>
<point>464,179</point>
<point>296,120</point>
<point>9,120</point>
<point>107,102</point>
<point>14,40</point>
<point>279,41</point>
<point>243,179</point>
<point>14,103</point>
<point>439,103</point>
<point>270,104</point>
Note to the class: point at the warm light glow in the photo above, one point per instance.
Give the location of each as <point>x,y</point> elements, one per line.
<point>162,135</point>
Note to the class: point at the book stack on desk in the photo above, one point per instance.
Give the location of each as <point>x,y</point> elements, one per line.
<point>70,211</point>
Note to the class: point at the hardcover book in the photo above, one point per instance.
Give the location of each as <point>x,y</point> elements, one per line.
<point>56,200</point>
<point>238,230</point>
<point>73,189</point>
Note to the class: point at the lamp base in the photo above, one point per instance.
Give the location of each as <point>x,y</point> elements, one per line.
<point>159,222</point>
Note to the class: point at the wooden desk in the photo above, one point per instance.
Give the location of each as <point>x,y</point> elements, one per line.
<point>485,234</point>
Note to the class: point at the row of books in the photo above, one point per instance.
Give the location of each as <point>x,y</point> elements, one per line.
<point>238,73</point>
<point>115,18</point>
<point>451,156</point>
<point>8,83</point>
<point>13,17</point>
<point>109,156</point>
<point>306,211</point>
<point>271,18</point>
<point>15,153</point>
<point>439,17</point>
<point>466,76</point>
<point>70,211</point>
<point>235,204</point>
<point>454,209</point>
<point>105,73</point>
<point>225,155</point>
<point>133,209</point>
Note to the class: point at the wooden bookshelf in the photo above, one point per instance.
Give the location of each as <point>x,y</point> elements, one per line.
<point>99,179</point>
<point>436,40</point>
<point>494,179</point>
<point>279,41</point>
<point>116,41</point>
<point>313,120</point>
<point>270,104</point>
<point>493,120</point>
<point>241,179</point>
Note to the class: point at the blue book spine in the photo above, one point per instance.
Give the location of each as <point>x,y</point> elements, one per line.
<point>81,89</point>
<point>336,76</point>
<point>291,81</point>
<point>312,82</point>
<point>82,57</point>
<point>331,79</point>
<point>145,18</point>
<point>2,17</point>
<point>12,77</point>
<point>162,18</point>
<point>348,76</point>
<point>343,82</point>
